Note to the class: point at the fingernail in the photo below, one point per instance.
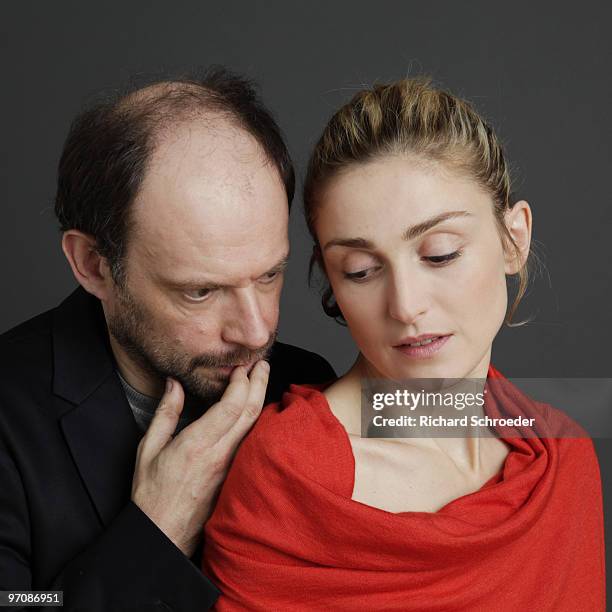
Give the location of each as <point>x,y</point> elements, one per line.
<point>265,366</point>
<point>168,385</point>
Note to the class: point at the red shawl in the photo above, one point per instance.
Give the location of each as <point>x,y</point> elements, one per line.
<point>286,535</point>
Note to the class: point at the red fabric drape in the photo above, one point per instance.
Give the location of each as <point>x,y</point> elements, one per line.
<point>286,535</point>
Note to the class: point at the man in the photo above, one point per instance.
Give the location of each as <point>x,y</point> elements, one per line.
<point>173,201</point>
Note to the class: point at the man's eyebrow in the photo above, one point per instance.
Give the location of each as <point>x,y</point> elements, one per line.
<point>411,232</point>
<point>280,266</point>
<point>192,284</point>
<point>204,284</point>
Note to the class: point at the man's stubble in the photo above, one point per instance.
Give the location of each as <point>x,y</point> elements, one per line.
<point>159,357</point>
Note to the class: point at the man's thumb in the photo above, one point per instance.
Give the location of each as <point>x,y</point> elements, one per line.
<point>165,419</point>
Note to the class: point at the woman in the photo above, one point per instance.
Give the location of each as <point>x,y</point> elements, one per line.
<point>407,198</point>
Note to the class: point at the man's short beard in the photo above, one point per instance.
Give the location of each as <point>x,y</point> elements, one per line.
<point>130,326</point>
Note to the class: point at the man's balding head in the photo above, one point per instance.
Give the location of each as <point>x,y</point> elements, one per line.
<point>174,204</point>
<point>110,146</point>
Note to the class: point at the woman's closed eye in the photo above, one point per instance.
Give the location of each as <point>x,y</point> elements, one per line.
<point>437,260</point>
<point>440,260</point>
<point>362,275</point>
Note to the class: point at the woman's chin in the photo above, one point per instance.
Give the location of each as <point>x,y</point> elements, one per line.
<point>438,368</point>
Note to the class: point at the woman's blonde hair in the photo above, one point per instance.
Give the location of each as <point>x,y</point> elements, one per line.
<point>410,116</point>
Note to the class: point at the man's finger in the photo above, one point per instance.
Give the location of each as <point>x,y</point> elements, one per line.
<point>257,389</point>
<point>258,383</point>
<point>164,421</point>
<point>224,413</point>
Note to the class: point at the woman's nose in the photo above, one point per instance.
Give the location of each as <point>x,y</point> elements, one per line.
<point>406,298</point>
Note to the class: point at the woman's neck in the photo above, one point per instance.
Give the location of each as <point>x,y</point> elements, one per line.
<point>467,452</point>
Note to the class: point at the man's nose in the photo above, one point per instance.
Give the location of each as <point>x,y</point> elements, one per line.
<point>406,299</point>
<point>245,321</point>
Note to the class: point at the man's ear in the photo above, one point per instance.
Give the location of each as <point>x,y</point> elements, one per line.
<point>90,269</point>
<point>518,222</point>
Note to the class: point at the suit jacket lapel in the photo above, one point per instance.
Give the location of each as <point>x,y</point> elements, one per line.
<point>98,426</point>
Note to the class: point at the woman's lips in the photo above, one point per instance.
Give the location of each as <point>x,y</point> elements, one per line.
<point>426,350</point>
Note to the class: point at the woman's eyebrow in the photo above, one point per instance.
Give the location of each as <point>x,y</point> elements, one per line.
<point>410,234</point>
<point>416,230</point>
<point>355,243</point>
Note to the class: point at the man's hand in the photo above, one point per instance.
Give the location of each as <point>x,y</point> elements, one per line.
<point>176,479</point>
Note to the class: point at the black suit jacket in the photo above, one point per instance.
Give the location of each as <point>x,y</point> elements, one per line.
<point>68,443</point>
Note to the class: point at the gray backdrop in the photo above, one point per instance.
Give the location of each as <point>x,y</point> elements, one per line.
<point>539,71</point>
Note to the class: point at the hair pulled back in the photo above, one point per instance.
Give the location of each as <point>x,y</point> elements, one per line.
<point>411,117</point>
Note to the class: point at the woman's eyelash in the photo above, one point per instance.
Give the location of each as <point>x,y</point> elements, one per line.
<point>442,259</point>
<point>360,275</point>
<point>439,260</point>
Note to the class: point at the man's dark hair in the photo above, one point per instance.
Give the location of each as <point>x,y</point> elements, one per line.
<point>109,146</point>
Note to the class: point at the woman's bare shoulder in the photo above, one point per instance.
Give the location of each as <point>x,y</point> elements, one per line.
<point>344,400</point>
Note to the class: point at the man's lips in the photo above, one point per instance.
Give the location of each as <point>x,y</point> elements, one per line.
<point>423,346</point>
<point>229,369</point>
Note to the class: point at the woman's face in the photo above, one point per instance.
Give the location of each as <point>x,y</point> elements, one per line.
<point>413,253</point>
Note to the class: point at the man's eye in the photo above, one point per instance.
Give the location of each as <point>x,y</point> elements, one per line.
<point>270,276</point>
<point>198,295</point>
<point>442,259</point>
